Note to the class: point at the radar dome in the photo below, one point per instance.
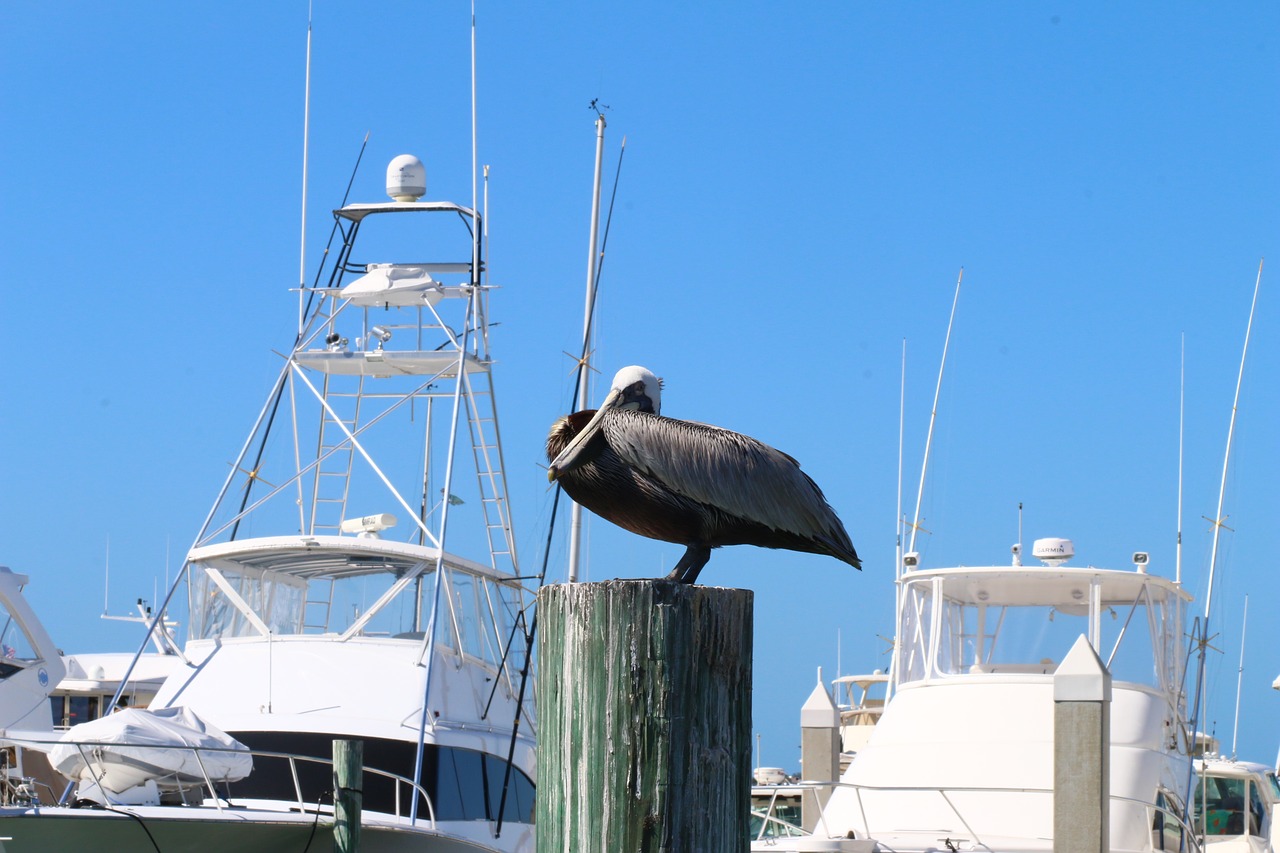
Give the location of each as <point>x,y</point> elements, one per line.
<point>406,178</point>
<point>1053,552</point>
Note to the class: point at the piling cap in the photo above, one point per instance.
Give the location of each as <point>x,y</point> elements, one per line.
<point>818,711</point>
<point>1082,676</point>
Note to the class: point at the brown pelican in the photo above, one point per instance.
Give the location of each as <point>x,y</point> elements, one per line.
<point>688,483</point>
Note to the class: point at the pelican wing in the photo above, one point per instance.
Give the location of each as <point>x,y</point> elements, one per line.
<point>724,469</point>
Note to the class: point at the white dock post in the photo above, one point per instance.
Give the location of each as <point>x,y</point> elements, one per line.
<point>1081,752</point>
<point>819,751</point>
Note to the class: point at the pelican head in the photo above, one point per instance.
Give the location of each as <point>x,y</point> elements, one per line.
<point>634,387</point>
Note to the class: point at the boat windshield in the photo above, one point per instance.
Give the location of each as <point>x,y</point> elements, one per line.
<point>1228,805</point>
<point>986,622</point>
<point>391,596</point>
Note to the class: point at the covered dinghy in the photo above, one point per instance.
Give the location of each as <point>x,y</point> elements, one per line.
<point>134,746</point>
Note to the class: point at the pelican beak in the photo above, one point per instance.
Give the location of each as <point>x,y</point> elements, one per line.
<point>571,457</point>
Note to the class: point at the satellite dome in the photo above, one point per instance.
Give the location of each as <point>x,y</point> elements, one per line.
<point>406,178</point>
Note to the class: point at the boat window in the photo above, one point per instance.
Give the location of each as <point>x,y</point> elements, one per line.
<point>15,645</point>
<point>464,614</point>
<point>1135,646</point>
<point>950,628</point>
<point>1166,830</point>
<point>774,815</point>
<point>1274,785</point>
<point>477,617</point>
<point>1228,806</point>
<point>68,711</point>
<point>916,616</point>
<point>277,599</point>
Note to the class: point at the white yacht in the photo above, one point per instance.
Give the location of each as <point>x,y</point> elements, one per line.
<point>962,755</point>
<point>327,598</point>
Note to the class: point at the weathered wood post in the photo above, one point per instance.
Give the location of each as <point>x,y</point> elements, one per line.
<point>644,718</point>
<point>1081,752</point>
<point>819,751</point>
<point>348,794</point>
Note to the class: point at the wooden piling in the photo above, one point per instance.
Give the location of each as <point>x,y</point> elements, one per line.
<point>348,794</point>
<point>644,718</point>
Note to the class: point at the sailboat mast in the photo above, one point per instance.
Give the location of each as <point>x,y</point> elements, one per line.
<point>584,394</point>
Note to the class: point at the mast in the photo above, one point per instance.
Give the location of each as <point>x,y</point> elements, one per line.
<point>584,367</point>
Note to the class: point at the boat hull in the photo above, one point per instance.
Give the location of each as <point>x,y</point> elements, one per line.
<point>207,830</point>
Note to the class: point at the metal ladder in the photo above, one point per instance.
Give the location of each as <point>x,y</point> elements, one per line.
<point>333,473</point>
<point>486,446</point>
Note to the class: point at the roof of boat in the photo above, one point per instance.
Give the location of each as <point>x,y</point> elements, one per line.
<point>335,556</point>
<point>1217,765</point>
<point>1044,585</point>
<point>357,212</point>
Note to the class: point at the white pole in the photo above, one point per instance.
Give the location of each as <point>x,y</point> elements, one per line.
<point>933,415</point>
<point>1182,409</point>
<point>584,394</point>
<point>306,135</point>
<point>1235,725</point>
<point>1231,430</point>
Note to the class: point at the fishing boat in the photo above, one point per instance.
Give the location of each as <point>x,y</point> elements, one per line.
<point>327,596</point>
<point>962,757</point>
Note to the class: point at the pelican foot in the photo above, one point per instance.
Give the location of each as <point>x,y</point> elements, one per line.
<point>686,571</point>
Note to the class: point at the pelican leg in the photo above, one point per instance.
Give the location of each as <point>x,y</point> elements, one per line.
<point>686,571</point>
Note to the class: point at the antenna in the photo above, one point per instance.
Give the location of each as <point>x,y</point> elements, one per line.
<point>1235,725</point>
<point>1182,413</point>
<point>898,519</point>
<point>106,578</point>
<point>475,157</point>
<point>306,136</point>
<point>1017,549</point>
<point>902,409</point>
<point>933,417</point>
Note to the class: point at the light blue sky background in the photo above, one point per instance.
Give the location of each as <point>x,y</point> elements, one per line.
<point>801,186</point>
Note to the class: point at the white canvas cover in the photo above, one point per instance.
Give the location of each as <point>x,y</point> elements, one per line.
<point>385,285</point>
<point>129,747</point>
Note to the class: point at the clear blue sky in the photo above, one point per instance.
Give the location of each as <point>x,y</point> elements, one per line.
<point>801,186</point>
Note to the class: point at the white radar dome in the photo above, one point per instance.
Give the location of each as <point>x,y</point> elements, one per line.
<point>406,178</point>
<point>1053,552</point>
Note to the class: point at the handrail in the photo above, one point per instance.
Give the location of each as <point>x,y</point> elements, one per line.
<point>92,761</point>
<point>768,818</point>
